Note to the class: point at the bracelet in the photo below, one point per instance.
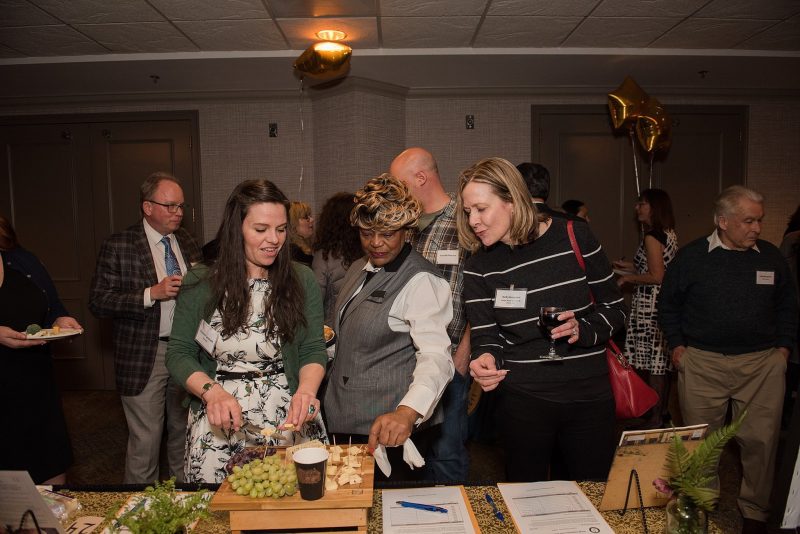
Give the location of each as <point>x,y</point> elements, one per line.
<point>206,388</point>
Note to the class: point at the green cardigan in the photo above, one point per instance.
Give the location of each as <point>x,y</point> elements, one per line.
<point>185,356</point>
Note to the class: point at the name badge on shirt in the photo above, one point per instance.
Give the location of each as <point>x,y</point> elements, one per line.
<point>447,257</point>
<point>206,337</point>
<point>765,278</point>
<point>511,298</point>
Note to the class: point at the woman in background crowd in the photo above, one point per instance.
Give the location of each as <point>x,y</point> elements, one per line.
<point>392,351</point>
<point>523,261</point>
<point>645,346</point>
<point>577,208</point>
<point>336,246</point>
<point>259,356</point>
<point>36,432</point>
<point>301,232</point>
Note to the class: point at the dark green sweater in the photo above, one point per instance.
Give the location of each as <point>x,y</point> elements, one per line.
<point>711,301</point>
<point>184,355</point>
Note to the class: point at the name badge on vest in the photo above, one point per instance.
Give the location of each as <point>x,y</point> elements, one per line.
<point>206,337</point>
<point>511,298</point>
<point>447,257</point>
<point>765,278</point>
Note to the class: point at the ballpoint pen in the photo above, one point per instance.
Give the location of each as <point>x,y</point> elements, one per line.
<point>497,513</point>
<point>420,506</point>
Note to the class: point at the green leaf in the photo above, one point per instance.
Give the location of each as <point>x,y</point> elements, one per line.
<point>691,474</point>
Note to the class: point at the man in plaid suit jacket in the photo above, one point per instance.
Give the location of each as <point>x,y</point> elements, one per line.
<point>137,278</point>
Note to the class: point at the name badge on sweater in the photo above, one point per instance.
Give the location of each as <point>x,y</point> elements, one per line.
<point>765,278</point>
<point>206,337</point>
<point>447,257</point>
<point>511,298</point>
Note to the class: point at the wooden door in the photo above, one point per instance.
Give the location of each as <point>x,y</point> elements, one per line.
<point>71,184</point>
<point>589,162</point>
<point>123,154</point>
<point>45,171</point>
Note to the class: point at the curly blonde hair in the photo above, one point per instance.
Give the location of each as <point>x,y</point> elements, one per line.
<point>385,204</point>
<point>507,183</point>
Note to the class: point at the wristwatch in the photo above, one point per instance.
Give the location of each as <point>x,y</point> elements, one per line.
<point>206,388</point>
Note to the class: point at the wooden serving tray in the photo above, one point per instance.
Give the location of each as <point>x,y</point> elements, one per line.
<point>351,503</point>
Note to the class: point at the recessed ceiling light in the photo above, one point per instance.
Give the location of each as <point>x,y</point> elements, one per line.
<point>331,35</point>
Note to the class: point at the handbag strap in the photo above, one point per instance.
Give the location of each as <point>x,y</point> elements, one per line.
<point>578,256</point>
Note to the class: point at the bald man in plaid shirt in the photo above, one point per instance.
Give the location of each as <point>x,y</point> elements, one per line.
<point>436,238</point>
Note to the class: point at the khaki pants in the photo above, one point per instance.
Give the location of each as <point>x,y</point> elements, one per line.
<point>145,416</point>
<point>708,381</point>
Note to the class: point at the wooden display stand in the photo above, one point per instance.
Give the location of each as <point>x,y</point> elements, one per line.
<point>345,509</point>
<point>644,453</point>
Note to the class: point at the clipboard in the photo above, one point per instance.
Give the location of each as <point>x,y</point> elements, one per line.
<point>438,495</point>
<point>645,452</point>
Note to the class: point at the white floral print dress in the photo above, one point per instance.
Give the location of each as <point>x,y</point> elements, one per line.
<point>264,400</point>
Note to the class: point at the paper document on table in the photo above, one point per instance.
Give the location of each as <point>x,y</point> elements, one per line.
<point>557,506</point>
<point>20,499</point>
<point>401,520</point>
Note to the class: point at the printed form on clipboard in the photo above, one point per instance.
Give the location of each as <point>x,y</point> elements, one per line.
<point>556,506</point>
<point>405,520</point>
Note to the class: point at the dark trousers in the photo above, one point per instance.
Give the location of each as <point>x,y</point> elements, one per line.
<point>533,429</point>
<point>400,469</point>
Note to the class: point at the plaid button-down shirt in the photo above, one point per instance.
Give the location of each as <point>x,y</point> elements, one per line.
<point>442,234</point>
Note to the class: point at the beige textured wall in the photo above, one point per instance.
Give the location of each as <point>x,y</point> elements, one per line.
<point>503,128</point>
<point>353,135</point>
<point>773,162</point>
<point>356,136</point>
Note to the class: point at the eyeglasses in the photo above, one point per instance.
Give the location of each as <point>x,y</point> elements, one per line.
<point>172,208</point>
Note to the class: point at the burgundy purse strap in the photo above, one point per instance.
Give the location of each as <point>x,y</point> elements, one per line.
<point>578,256</point>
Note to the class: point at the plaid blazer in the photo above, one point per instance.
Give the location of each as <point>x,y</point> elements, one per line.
<point>125,268</point>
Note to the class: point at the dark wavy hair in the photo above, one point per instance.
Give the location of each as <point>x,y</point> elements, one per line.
<point>335,236</point>
<point>228,278</point>
<point>661,216</point>
<point>794,222</point>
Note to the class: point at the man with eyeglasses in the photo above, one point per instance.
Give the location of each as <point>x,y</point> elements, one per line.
<point>137,290</point>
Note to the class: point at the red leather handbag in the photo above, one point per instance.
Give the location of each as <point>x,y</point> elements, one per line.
<point>633,397</point>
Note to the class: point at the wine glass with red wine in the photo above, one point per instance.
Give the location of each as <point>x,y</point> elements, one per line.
<point>548,320</point>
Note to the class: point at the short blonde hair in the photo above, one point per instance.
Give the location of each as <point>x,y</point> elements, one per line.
<point>507,183</point>
<point>384,203</point>
<point>297,211</point>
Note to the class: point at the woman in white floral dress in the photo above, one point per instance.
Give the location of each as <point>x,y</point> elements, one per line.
<point>247,338</point>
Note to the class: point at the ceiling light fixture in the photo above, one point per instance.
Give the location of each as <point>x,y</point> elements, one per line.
<point>331,35</point>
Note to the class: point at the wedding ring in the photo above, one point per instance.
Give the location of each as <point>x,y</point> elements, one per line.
<point>311,409</point>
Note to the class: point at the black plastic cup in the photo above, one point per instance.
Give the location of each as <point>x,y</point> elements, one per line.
<point>310,465</point>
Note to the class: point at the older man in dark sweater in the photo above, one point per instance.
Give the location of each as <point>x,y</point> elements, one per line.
<point>729,314</point>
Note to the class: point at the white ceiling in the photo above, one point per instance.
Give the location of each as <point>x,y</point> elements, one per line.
<point>63,48</point>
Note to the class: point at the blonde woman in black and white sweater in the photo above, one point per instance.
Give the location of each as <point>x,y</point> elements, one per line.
<point>523,261</point>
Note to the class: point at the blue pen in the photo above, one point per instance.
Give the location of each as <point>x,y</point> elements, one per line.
<point>420,506</point>
<point>497,513</point>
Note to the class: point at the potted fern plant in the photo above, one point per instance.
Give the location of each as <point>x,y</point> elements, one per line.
<point>692,482</point>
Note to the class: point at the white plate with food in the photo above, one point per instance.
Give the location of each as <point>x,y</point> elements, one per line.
<point>54,333</point>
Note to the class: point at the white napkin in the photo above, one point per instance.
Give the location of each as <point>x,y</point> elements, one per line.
<point>410,455</point>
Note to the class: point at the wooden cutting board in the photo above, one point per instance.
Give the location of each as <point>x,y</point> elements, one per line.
<point>347,496</point>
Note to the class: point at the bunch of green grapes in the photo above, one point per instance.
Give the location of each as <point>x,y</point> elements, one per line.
<point>270,477</point>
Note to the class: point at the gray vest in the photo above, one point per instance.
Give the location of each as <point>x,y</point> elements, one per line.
<point>374,366</point>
